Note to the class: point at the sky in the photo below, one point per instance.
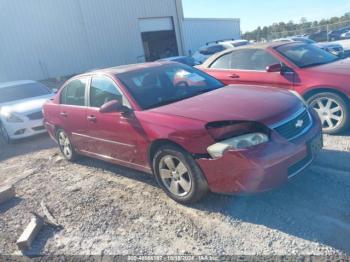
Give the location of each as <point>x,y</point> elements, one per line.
<point>254,13</point>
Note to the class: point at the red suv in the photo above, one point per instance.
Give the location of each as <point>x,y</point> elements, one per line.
<point>186,128</point>
<point>322,78</point>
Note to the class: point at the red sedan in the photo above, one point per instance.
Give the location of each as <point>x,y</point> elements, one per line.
<point>321,78</point>
<point>184,126</point>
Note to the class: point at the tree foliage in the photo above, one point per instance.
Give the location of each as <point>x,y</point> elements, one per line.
<point>304,27</point>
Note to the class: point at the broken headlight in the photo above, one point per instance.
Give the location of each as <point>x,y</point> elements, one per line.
<point>237,143</point>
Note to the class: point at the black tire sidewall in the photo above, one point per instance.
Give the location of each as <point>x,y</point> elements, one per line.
<point>199,185</point>
<point>342,102</point>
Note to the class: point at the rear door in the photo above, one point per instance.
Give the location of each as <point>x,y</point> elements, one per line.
<point>73,111</point>
<point>248,66</point>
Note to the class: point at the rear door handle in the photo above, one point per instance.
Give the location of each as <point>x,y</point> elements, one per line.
<point>91,118</point>
<point>233,76</point>
<point>63,114</point>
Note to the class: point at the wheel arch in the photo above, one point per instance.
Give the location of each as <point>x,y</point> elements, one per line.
<point>317,90</point>
<point>55,130</point>
<point>156,144</point>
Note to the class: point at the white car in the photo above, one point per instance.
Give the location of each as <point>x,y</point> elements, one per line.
<point>21,109</point>
<point>212,48</point>
<point>346,35</point>
<point>333,48</point>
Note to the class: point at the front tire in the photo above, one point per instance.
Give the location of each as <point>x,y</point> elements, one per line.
<point>178,175</point>
<point>66,146</point>
<point>333,111</point>
<point>4,136</point>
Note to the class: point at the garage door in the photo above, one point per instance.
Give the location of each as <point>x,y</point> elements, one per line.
<point>156,24</point>
<point>158,38</point>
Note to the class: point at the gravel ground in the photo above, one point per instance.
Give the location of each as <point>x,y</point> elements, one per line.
<point>107,209</point>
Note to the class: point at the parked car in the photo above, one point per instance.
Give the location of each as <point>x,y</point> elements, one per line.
<point>186,128</point>
<point>21,109</point>
<point>212,48</point>
<point>337,34</point>
<point>186,60</point>
<point>320,36</point>
<point>320,77</point>
<point>333,48</point>
<point>345,35</point>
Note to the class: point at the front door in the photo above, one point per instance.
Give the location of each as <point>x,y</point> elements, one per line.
<point>248,66</point>
<point>115,135</point>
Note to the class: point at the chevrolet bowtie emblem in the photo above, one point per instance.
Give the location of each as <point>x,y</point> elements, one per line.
<point>299,124</point>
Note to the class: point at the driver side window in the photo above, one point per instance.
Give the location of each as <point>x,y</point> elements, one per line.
<point>104,90</point>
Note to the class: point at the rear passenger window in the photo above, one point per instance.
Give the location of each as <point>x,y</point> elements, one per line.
<point>74,93</point>
<point>223,62</point>
<point>104,90</point>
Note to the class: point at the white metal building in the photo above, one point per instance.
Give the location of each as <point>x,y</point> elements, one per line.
<point>48,38</point>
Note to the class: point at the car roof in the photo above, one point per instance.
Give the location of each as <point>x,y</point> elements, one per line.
<point>16,83</point>
<point>129,68</point>
<point>253,46</point>
<point>173,58</point>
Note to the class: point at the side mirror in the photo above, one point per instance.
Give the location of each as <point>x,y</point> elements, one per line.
<point>54,90</point>
<point>112,106</point>
<point>274,68</point>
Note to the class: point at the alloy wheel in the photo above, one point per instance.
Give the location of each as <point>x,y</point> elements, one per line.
<point>330,112</point>
<point>175,176</point>
<point>65,145</point>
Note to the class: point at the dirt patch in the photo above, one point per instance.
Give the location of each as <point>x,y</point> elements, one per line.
<point>107,209</point>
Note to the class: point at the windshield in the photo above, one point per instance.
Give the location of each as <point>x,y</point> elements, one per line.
<point>13,93</point>
<point>304,55</point>
<point>163,85</point>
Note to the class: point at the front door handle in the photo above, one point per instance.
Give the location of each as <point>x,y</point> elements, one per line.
<point>234,76</point>
<point>91,118</point>
<point>63,114</point>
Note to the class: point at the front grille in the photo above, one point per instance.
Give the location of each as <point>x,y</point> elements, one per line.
<point>36,115</point>
<point>38,128</point>
<point>296,126</point>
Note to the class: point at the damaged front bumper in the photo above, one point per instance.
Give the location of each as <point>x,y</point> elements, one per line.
<point>263,167</point>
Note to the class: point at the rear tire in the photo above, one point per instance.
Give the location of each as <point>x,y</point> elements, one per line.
<point>66,147</point>
<point>179,175</point>
<point>333,111</point>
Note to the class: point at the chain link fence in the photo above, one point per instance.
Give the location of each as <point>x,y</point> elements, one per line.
<point>312,30</point>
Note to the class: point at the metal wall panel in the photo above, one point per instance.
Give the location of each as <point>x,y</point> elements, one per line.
<point>50,38</point>
<point>197,31</point>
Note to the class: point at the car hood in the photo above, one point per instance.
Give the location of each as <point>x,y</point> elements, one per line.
<point>25,106</point>
<point>340,67</point>
<point>240,102</point>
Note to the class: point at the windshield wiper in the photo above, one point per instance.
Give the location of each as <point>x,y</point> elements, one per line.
<point>170,101</point>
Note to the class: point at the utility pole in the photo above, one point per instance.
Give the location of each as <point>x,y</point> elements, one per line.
<point>327,32</point>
